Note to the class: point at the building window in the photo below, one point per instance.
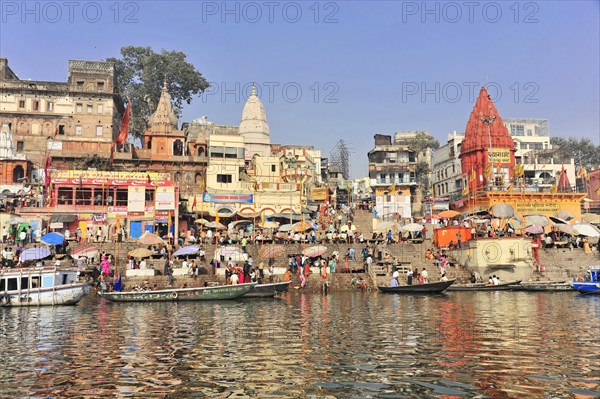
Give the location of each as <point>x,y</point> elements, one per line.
<point>18,174</point>
<point>80,84</point>
<point>79,107</point>
<point>100,85</point>
<point>65,196</point>
<point>49,106</point>
<point>61,130</point>
<point>100,108</point>
<point>21,103</point>
<point>78,130</point>
<point>20,145</point>
<point>273,168</point>
<point>523,146</point>
<point>529,133</point>
<point>517,130</point>
<point>90,108</point>
<point>36,105</point>
<point>99,131</point>
<point>224,178</point>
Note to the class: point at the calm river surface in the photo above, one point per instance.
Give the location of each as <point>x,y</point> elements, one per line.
<point>305,345</point>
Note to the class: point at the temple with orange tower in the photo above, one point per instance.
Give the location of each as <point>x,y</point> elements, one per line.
<point>491,176</point>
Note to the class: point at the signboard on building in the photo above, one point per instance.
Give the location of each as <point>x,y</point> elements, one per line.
<point>536,207</point>
<point>165,198</point>
<point>499,155</point>
<point>148,177</point>
<point>136,199</point>
<point>229,198</point>
<point>319,193</point>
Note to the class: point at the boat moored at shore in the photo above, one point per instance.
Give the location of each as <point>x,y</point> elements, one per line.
<point>427,288</point>
<point>268,290</point>
<point>181,294</point>
<point>40,286</point>
<point>591,285</point>
<point>484,287</point>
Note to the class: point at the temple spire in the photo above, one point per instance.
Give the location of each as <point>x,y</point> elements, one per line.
<point>163,120</point>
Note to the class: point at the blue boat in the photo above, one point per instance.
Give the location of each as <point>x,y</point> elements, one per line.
<point>591,286</point>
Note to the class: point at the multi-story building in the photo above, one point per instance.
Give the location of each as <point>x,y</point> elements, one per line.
<point>447,177</point>
<point>67,120</point>
<point>392,175</point>
<point>534,152</point>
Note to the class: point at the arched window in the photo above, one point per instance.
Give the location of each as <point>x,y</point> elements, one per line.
<point>18,174</point>
<point>178,177</point>
<point>200,151</point>
<point>177,148</point>
<point>198,178</point>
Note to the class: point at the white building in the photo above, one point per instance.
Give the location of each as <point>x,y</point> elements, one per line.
<point>446,170</point>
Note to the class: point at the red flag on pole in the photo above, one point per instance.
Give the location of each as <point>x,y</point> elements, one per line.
<point>46,171</point>
<point>194,204</point>
<point>124,128</point>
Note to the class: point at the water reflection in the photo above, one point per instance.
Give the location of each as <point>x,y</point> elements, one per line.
<point>493,344</point>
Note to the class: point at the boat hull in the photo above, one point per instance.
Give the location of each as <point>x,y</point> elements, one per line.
<point>483,287</point>
<point>181,294</point>
<point>268,290</point>
<point>68,294</point>
<point>429,288</point>
<point>543,287</point>
<point>589,288</point>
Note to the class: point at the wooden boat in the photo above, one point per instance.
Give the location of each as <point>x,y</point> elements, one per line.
<point>181,294</point>
<point>589,286</point>
<point>268,290</point>
<point>484,287</point>
<point>550,286</point>
<point>429,288</point>
<point>40,286</point>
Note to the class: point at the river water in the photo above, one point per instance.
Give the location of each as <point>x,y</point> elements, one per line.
<point>306,345</point>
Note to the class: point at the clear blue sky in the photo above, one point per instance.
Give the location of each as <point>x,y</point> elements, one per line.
<point>361,67</point>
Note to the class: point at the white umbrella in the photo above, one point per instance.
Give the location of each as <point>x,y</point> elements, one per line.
<point>503,211</point>
<point>412,227</point>
<point>586,229</point>
<point>286,227</point>
<point>214,225</point>
<point>536,219</point>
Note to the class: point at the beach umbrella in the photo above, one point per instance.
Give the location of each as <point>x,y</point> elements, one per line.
<point>87,251</point>
<point>215,225</point>
<point>448,214</point>
<point>565,228</point>
<point>269,225</point>
<point>586,229</point>
<point>344,228</point>
<point>140,253</point>
<point>558,220</point>
<point>233,225</point>
<point>591,218</point>
<point>534,229</point>
<point>564,214</point>
<point>16,220</point>
<point>412,227</point>
<point>540,220</point>
<point>301,226</point>
<point>34,254</point>
<point>272,251</point>
<point>150,239</point>
<point>515,224</point>
<point>315,251</point>
<point>201,221</point>
<point>189,250</point>
<point>286,227</point>
<point>503,211</point>
<point>53,238</point>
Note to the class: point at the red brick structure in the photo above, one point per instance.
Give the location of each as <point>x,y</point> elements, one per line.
<point>487,139</point>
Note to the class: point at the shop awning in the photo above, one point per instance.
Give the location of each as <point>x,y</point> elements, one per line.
<point>66,218</point>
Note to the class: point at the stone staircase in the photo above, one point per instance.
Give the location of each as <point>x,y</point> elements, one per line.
<point>363,220</point>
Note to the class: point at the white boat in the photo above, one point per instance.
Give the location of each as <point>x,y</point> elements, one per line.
<point>40,286</point>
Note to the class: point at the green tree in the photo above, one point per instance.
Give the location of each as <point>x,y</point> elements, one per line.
<point>582,150</point>
<point>140,73</point>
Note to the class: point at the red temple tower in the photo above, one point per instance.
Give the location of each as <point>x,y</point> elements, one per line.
<point>487,152</point>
